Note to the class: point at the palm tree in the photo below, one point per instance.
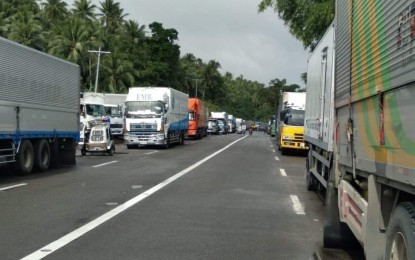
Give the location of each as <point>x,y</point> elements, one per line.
<point>24,27</point>
<point>118,72</point>
<point>84,9</point>
<point>212,81</point>
<point>111,15</point>
<point>72,40</point>
<point>55,10</point>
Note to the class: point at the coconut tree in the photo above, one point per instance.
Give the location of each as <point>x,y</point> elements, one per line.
<point>72,40</point>
<point>84,9</point>
<point>24,27</point>
<point>118,73</point>
<point>111,15</point>
<point>55,10</point>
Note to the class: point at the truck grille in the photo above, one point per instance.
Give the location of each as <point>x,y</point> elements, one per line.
<point>299,137</point>
<point>143,127</point>
<point>116,125</point>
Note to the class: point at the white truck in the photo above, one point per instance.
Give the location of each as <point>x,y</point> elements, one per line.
<point>91,106</point>
<point>155,116</point>
<point>360,127</point>
<point>39,104</point>
<point>222,118</point>
<point>231,124</point>
<point>114,108</point>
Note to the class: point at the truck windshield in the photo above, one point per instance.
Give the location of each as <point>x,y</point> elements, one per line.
<point>113,111</point>
<point>295,117</point>
<point>95,110</point>
<point>144,108</point>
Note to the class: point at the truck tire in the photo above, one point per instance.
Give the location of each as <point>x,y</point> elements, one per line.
<point>25,158</point>
<point>42,155</point>
<point>167,144</point>
<point>181,138</point>
<point>111,150</point>
<point>400,236</point>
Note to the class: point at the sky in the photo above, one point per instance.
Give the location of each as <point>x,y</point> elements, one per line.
<point>232,32</point>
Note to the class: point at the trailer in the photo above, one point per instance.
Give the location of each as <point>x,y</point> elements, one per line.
<point>155,116</point>
<point>361,129</point>
<point>39,104</point>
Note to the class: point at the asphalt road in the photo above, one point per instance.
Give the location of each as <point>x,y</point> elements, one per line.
<point>222,197</point>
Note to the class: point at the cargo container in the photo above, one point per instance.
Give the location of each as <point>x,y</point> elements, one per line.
<point>39,104</point>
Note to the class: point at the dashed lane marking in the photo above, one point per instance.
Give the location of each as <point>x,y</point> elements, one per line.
<point>103,164</point>
<point>152,152</point>
<point>13,186</point>
<point>298,208</point>
<point>283,173</point>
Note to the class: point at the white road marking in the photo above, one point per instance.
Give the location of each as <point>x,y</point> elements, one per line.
<point>270,145</point>
<point>283,173</point>
<point>299,210</point>
<point>103,164</point>
<point>152,152</point>
<point>273,150</point>
<point>13,186</point>
<point>276,158</point>
<point>54,246</point>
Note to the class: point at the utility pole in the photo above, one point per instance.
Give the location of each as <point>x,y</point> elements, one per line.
<point>99,53</point>
<point>196,86</point>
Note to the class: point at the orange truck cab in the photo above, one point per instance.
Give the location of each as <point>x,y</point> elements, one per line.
<point>197,118</point>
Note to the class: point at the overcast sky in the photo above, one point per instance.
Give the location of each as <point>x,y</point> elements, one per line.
<point>232,32</point>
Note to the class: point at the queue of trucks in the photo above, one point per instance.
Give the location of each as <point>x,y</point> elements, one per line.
<point>359,127</point>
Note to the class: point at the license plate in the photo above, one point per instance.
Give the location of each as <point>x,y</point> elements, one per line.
<point>143,142</point>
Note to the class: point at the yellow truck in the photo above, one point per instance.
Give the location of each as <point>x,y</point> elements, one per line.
<point>290,133</point>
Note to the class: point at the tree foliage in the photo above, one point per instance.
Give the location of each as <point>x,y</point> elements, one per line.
<point>139,55</point>
<point>307,20</point>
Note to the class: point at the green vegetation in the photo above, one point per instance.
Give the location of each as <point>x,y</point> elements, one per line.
<point>307,20</point>
<point>140,55</point>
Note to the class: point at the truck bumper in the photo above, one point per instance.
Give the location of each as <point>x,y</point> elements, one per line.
<point>144,139</point>
<point>293,145</point>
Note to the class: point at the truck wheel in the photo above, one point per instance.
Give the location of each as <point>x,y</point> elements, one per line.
<point>111,151</point>
<point>167,144</point>
<point>42,155</point>
<point>25,158</point>
<point>130,146</point>
<point>400,236</point>
<point>181,139</point>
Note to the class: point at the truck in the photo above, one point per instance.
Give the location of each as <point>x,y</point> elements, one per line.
<point>197,118</point>
<point>39,104</point>
<point>114,108</point>
<point>290,131</point>
<point>361,130</point>
<point>231,124</point>
<point>155,116</point>
<point>222,118</point>
<point>91,106</point>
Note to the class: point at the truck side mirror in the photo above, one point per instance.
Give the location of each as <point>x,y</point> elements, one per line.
<point>282,116</point>
<point>166,107</point>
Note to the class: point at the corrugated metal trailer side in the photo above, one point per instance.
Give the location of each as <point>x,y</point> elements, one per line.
<point>371,187</point>
<point>39,108</point>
